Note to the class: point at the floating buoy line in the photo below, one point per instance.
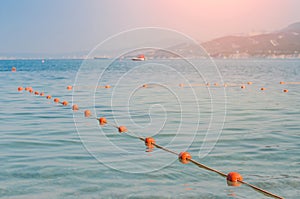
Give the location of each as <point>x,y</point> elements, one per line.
<point>233,178</point>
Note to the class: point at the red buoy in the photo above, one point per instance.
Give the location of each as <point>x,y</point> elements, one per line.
<point>75,107</point>
<point>20,88</point>
<point>48,97</point>
<point>42,94</point>
<point>184,157</point>
<point>102,121</point>
<point>56,100</point>
<point>234,179</point>
<point>65,103</point>
<point>149,141</point>
<point>122,129</point>
<point>13,69</point>
<point>28,88</point>
<point>87,113</point>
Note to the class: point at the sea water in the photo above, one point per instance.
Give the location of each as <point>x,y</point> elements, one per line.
<point>49,151</point>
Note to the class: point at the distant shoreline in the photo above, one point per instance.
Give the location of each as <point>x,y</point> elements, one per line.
<point>216,58</point>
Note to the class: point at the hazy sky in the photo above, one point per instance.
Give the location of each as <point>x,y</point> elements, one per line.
<point>56,26</point>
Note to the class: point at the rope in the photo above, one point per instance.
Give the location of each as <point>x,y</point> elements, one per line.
<point>207,167</point>
<point>200,165</point>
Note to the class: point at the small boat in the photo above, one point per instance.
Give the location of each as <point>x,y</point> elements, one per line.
<point>101,57</point>
<point>139,58</point>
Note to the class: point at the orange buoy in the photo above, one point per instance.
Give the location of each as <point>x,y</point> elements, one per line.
<point>225,85</point>
<point>13,69</point>
<point>285,90</point>
<point>281,82</point>
<point>20,88</point>
<point>102,121</point>
<point>122,129</point>
<point>149,141</point>
<point>36,93</point>
<point>69,87</point>
<point>87,113</point>
<point>184,157</point>
<point>48,97</point>
<point>216,84</point>
<point>145,85</point>
<point>75,107</point>
<point>30,90</point>
<point>42,94</point>
<point>249,83</point>
<point>107,86</point>
<point>207,84</point>
<point>243,87</point>
<point>263,89</point>
<point>181,85</point>
<point>234,179</point>
<point>65,103</point>
<point>56,100</point>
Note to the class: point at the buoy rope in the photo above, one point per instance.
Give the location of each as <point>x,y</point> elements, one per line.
<point>207,167</point>
<point>200,165</point>
<point>267,193</point>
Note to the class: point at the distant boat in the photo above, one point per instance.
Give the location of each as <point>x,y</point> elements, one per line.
<point>103,57</point>
<point>139,58</point>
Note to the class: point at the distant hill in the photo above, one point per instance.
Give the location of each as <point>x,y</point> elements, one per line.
<point>283,43</point>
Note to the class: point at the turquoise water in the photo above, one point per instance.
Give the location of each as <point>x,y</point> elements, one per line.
<point>49,151</point>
